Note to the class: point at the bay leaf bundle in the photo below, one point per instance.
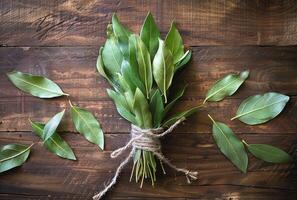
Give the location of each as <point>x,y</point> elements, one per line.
<point>140,68</point>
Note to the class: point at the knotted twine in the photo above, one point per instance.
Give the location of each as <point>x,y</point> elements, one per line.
<point>148,140</point>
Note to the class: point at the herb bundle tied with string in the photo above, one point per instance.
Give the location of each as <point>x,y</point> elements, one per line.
<point>140,68</point>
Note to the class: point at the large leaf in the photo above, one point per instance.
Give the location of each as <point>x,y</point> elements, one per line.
<point>122,33</point>
<point>269,153</point>
<point>37,86</point>
<point>261,108</point>
<point>55,143</point>
<point>13,155</point>
<point>149,34</point>
<point>157,108</point>
<point>226,86</point>
<point>112,57</point>
<point>142,111</point>
<point>177,95</point>
<point>131,76</point>
<point>51,126</point>
<point>87,125</point>
<point>122,106</point>
<point>163,68</point>
<point>230,145</point>
<point>174,43</point>
<point>171,120</point>
<point>144,66</point>
<point>183,60</point>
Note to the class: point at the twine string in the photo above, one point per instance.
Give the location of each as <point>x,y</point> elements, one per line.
<point>148,140</point>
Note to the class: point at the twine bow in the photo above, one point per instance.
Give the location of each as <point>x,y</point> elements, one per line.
<point>148,140</point>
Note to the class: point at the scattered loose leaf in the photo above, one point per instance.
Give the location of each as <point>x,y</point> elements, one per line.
<point>269,153</point>
<point>144,64</point>
<point>141,109</point>
<point>227,86</point>
<point>13,155</point>
<point>261,108</point>
<point>55,143</point>
<point>163,68</point>
<point>37,86</point>
<point>51,126</point>
<point>230,145</point>
<point>149,34</point>
<point>174,43</point>
<point>87,125</point>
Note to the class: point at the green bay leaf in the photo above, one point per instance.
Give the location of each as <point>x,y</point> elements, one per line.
<point>51,126</point>
<point>226,86</point>
<point>163,68</point>
<point>37,86</point>
<point>13,155</point>
<point>87,125</point>
<point>174,43</point>
<point>55,143</point>
<point>183,60</point>
<point>230,145</point>
<point>157,108</point>
<point>172,119</point>
<point>261,108</point>
<point>141,109</point>
<point>177,95</point>
<point>149,34</point>
<point>269,153</point>
<point>122,33</point>
<point>144,66</point>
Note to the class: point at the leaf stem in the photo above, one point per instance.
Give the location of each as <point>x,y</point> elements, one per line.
<point>70,103</point>
<point>235,117</point>
<point>244,142</point>
<point>211,118</point>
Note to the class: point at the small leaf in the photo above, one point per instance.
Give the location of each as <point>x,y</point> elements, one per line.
<point>87,125</point>
<point>183,60</point>
<point>55,143</point>
<point>13,155</point>
<point>141,109</point>
<point>37,86</point>
<point>178,116</point>
<point>269,153</point>
<point>227,86</point>
<point>174,43</point>
<point>144,64</point>
<point>51,126</point>
<point>230,145</point>
<point>163,68</point>
<point>101,69</point>
<point>112,57</point>
<point>177,95</point>
<point>121,105</point>
<point>157,108</point>
<point>261,108</point>
<point>149,34</point>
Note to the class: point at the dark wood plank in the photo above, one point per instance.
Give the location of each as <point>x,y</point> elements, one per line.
<point>73,22</point>
<point>47,175</point>
<point>272,69</point>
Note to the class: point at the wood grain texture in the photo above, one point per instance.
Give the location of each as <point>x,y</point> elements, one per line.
<point>75,22</point>
<point>45,174</point>
<point>60,39</point>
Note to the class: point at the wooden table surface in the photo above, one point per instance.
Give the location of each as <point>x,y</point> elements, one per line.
<point>60,40</point>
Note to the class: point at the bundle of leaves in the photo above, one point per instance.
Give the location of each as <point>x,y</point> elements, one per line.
<point>140,68</point>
